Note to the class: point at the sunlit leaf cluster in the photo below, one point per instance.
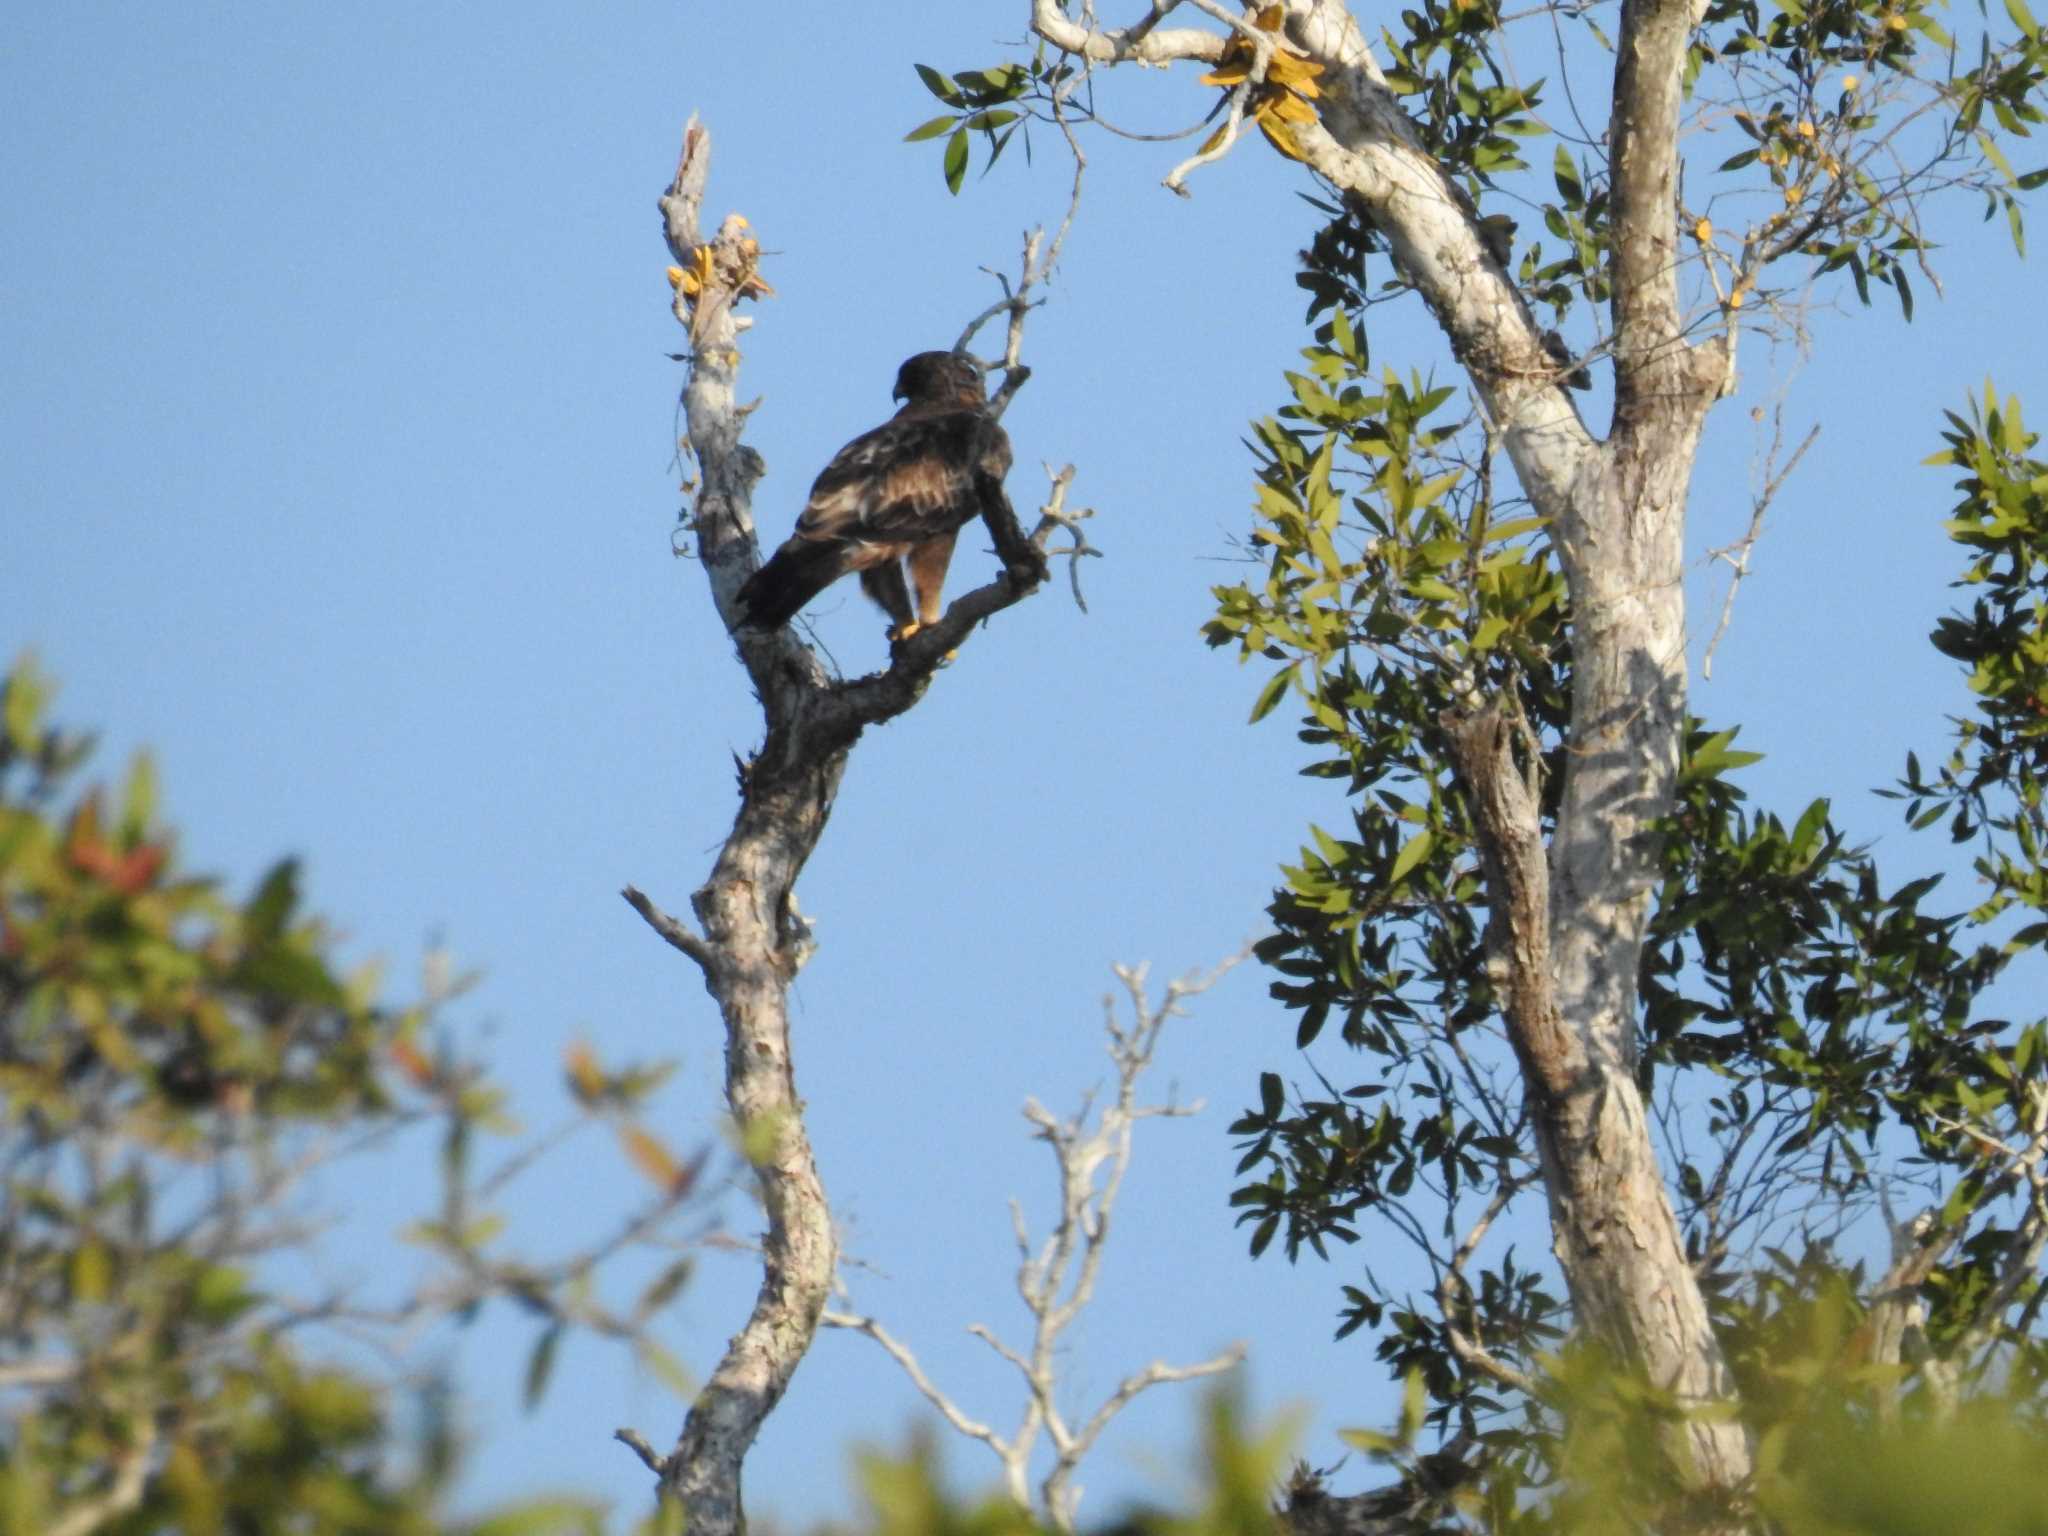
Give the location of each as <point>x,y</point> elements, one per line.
<point>1804,1023</point>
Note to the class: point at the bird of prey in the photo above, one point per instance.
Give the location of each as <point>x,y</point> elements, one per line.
<point>896,498</point>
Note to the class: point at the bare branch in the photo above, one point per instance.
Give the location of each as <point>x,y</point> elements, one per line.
<point>1142,43</point>
<point>674,930</point>
<point>1092,1151</point>
<point>1453,1289</point>
<point>900,1353</point>
<point>636,1442</point>
<point>1737,554</point>
<point>751,939</point>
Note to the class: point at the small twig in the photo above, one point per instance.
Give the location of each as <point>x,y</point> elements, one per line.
<point>1159,12</point>
<point>1737,554</point>
<point>1092,1151</point>
<point>898,1352</point>
<point>1054,514</point>
<point>636,1442</point>
<point>1039,260</point>
<point>673,929</point>
<point>1156,1374</point>
<point>1453,1287</point>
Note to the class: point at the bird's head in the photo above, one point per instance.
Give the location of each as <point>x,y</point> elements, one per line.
<point>941,378</point>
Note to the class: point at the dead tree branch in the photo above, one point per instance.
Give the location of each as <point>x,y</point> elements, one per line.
<point>1057,1279</point>
<point>749,939</point>
<point>1737,554</point>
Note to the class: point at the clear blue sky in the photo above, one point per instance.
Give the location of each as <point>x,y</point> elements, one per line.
<point>335,456</point>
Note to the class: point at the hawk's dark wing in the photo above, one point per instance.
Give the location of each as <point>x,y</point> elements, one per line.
<point>893,499</point>
<point>911,481</point>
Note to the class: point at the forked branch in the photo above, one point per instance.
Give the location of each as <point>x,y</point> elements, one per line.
<point>749,940</point>
<point>1057,1279</point>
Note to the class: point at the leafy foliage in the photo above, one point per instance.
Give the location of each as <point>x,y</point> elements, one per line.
<point>178,1070</point>
<point>979,101</point>
<point>1799,1016</point>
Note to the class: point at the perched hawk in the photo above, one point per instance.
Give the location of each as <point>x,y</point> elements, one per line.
<point>897,497</point>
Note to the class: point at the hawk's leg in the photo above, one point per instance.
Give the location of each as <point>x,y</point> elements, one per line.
<point>928,564</point>
<point>884,583</point>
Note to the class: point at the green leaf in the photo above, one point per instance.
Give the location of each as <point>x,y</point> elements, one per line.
<point>539,1365</point>
<point>1414,1403</point>
<point>1412,853</point>
<point>1713,757</point>
<point>1262,1236</point>
<point>27,692</point>
<point>139,798</point>
<point>542,1517</point>
<point>988,122</point>
<point>270,908</point>
<point>956,160</point>
<point>1371,1441</point>
<point>221,1293</point>
<point>1566,173</point>
<point>92,1272</point>
<point>939,85</point>
<point>1272,1095</point>
<point>1271,694</point>
<point>1514,527</point>
<point>930,130</point>
<point>671,1371</point>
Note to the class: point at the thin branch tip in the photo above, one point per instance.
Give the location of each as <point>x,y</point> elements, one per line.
<point>636,1442</point>
<point>678,933</point>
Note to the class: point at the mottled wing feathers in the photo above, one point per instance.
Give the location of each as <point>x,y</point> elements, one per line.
<point>901,491</point>
<point>909,479</point>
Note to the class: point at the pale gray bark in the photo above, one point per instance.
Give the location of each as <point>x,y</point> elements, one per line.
<point>752,940</point>
<point>1056,1279</point>
<point>1569,918</point>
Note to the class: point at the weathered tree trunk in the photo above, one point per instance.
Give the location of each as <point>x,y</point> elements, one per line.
<point>1570,919</point>
<point>753,941</point>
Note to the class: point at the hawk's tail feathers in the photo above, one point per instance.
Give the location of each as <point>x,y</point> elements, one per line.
<point>798,572</point>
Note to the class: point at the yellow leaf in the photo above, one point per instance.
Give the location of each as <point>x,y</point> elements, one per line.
<point>1287,108</point>
<point>1849,83</point>
<point>1214,139</point>
<point>1290,70</point>
<point>675,277</point>
<point>1227,74</point>
<point>1703,231</point>
<point>1282,137</point>
<point>1270,18</point>
<point>586,1078</point>
<point>1735,299</point>
<point>1806,130</point>
<point>1895,22</point>
<point>413,1063</point>
<point>650,1156</point>
<point>92,1272</point>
